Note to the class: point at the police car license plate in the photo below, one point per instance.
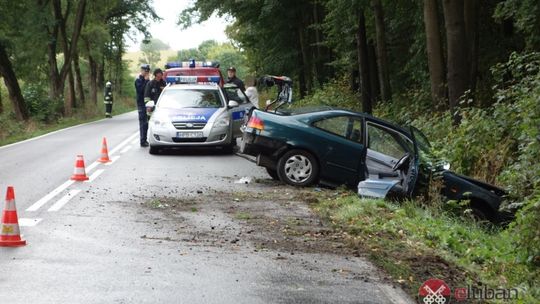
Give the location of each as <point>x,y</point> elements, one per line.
<point>189,134</point>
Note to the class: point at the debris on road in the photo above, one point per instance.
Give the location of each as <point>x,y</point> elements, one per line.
<point>244,180</point>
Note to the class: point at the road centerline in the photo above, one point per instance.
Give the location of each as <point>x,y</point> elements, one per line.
<point>125,149</point>
<point>113,160</point>
<point>42,201</point>
<point>94,175</point>
<point>122,144</point>
<point>45,199</point>
<point>29,222</point>
<point>64,200</point>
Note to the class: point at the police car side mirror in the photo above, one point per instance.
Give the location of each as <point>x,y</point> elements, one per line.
<point>233,104</point>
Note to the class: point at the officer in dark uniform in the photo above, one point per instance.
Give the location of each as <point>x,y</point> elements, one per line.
<point>154,87</point>
<point>108,99</point>
<point>231,73</point>
<point>140,84</point>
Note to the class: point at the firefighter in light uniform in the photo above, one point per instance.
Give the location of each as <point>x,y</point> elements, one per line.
<point>108,99</point>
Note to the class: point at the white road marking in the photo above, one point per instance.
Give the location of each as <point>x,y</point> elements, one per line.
<point>122,144</point>
<point>42,201</point>
<point>95,175</point>
<point>29,222</point>
<point>136,141</point>
<point>91,167</point>
<point>113,159</point>
<point>125,149</point>
<point>65,199</point>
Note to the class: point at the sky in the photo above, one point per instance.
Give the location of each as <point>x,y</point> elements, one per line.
<point>169,32</point>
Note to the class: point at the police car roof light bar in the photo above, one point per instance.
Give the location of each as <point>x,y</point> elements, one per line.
<point>192,79</point>
<point>192,64</point>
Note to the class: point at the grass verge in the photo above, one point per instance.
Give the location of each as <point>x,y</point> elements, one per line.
<point>12,131</point>
<point>413,243</point>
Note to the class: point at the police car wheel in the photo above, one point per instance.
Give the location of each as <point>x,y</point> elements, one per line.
<point>153,150</point>
<point>298,168</point>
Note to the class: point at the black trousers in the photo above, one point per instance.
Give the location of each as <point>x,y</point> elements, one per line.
<point>143,123</point>
<point>108,108</point>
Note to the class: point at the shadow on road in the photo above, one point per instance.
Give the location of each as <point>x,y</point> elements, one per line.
<point>194,151</point>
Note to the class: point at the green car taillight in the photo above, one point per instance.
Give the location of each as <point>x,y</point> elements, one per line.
<point>255,123</point>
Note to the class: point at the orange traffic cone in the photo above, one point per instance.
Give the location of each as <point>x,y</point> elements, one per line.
<point>10,236</point>
<point>79,174</point>
<point>104,152</point>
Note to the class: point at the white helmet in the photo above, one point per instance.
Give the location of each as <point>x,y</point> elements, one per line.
<point>108,84</point>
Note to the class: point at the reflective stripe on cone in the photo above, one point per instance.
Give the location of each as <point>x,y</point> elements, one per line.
<point>104,151</point>
<point>10,235</point>
<point>79,173</point>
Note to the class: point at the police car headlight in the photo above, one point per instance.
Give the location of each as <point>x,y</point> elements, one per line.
<point>223,120</point>
<point>161,121</point>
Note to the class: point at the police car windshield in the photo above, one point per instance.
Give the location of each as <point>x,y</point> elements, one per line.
<point>190,98</point>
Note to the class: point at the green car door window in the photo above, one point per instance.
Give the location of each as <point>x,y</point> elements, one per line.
<point>344,126</point>
<point>336,125</point>
<point>385,141</point>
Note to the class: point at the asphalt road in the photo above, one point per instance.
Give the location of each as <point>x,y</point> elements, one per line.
<point>99,242</point>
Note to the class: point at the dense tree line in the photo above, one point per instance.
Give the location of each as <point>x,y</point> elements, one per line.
<point>225,53</point>
<point>66,48</point>
<point>387,47</point>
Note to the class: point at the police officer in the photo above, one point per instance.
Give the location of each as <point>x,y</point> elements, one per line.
<point>108,99</point>
<point>140,84</point>
<point>154,87</point>
<point>231,73</point>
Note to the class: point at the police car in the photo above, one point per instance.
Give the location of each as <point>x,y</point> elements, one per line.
<point>197,111</point>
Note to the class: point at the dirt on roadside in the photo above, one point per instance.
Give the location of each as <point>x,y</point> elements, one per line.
<point>274,219</point>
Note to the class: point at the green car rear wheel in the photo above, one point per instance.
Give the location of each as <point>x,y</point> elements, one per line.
<point>298,168</point>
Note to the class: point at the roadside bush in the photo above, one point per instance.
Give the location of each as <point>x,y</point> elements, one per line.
<point>40,106</point>
<point>336,93</point>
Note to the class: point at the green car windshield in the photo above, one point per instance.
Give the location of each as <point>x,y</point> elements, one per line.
<point>426,155</point>
<point>421,140</point>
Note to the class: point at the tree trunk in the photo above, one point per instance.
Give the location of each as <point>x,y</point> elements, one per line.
<point>78,79</point>
<point>118,81</point>
<point>57,77</point>
<point>363,63</point>
<point>318,59</point>
<point>354,80</point>
<point>69,101</point>
<point>12,84</point>
<point>302,85</point>
<point>373,73</point>
<point>304,51</point>
<point>471,31</point>
<point>384,79</point>
<point>434,53</point>
<point>93,75</point>
<point>100,79</point>
<point>458,69</point>
<point>55,85</point>
<point>69,48</point>
<point>1,104</point>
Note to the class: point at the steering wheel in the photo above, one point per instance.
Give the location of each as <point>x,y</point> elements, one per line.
<point>401,162</point>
